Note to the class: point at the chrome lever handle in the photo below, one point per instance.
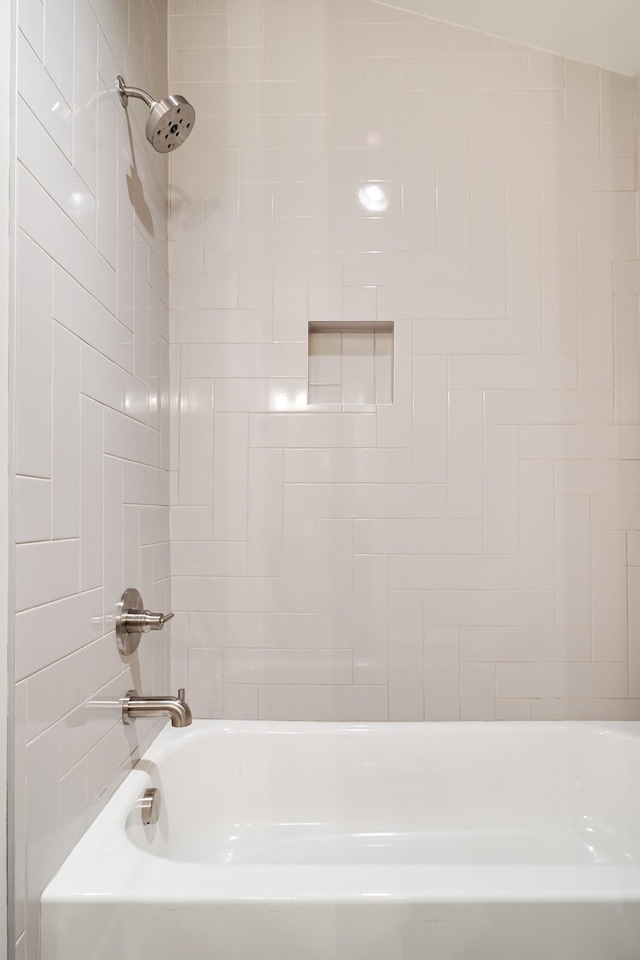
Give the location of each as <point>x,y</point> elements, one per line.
<point>132,621</point>
<point>143,621</point>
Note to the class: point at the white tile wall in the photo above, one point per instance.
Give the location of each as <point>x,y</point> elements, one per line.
<point>463,552</point>
<point>92,387</point>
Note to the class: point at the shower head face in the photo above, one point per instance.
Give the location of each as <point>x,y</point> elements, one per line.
<point>170,123</point>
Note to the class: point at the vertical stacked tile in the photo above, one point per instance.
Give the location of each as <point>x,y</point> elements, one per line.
<point>464,552</point>
<point>91,415</point>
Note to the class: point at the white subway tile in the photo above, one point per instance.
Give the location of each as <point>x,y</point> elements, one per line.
<point>335,583</point>
<point>500,486</point>
<point>617,115</point>
<point>525,643</point>
<point>244,360</point>
<point>441,673</point>
<point>230,64</point>
<point>43,97</point>
<point>501,106</point>
<point>208,559</point>
<point>569,174</point>
<point>453,573</point>
<point>33,360</point>
<point>615,512</point>
<point>537,525</point>
<point>607,243</point>
<point>57,689</point>
<point>41,218</point>
<point>53,171</point>
<point>430,419</point>
<point>633,617</point>
<point>453,186</point>
<point>626,278</point>
<point>518,139</point>
<point>595,325</point>
<point>609,594</point>
<point>579,442</point>
<point>572,560</point>
<point>426,39</point>
<point>299,556</point>
<point>70,624</point>
<point>524,264</point>
<point>488,220</point>
<point>201,31</point>
<point>84,316</point>
<point>380,500</point>
<point>469,607</point>
<point>347,466</point>
<point>91,494</point>
<point>220,326</point>
<point>288,666</point>
<point>383,112</point>
<point>66,439</point>
<point>418,144</point>
<point>240,701</point>
<point>465,453</point>
<point>599,709</point>
<point>512,372</point>
<point>195,484</point>
<point>513,709</point>
<point>547,69</point>
<point>582,92</point>
<point>227,594</point>
<point>418,536</point>
<point>46,571</point>
<point>451,302</point>
<point>31,24</point>
<point>308,702</point>
<point>467,73</point>
<point>548,406</point>
<point>265,512</point>
<point>205,683</point>
<point>596,208</point>
<point>561,680</point>
<point>230,465</point>
<point>348,85</point>
<point>32,509</point>
<point>626,360</point>
<point>311,430</point>
<point>371,618</point>
<point>406,656</point>
<point>477,691</point>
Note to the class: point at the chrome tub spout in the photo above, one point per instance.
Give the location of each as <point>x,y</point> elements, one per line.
<point>176,708</point>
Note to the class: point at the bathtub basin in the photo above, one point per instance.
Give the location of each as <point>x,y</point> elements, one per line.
<point>309,841</point>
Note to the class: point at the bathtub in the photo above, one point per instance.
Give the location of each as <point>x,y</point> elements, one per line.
<point>309,841</point>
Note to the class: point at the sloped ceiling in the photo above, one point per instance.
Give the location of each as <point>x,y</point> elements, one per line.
<point>604,32</point>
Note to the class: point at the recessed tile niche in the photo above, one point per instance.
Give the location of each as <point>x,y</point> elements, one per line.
<point>350,363</point>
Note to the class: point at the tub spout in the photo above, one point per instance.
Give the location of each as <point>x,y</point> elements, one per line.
<point>176,708</point>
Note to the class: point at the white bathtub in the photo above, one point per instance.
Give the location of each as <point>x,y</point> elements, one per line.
<point>304,841</point>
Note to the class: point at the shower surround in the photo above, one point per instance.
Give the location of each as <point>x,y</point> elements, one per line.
<point>90,368</point>
<point>473,549</point>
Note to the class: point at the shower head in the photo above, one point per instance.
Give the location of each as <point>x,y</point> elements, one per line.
<point>170,122</point>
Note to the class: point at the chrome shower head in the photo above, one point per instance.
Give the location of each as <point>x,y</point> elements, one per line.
<point>170,122</point>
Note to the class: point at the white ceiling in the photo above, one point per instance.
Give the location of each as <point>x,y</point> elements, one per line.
<point>605,32</point>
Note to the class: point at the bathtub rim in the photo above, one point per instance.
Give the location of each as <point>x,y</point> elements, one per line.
<point>107,867</point>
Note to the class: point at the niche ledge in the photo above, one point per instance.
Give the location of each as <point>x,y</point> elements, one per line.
<point>350,364</point>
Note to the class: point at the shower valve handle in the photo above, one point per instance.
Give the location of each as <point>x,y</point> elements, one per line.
<point>143,621</point>
<point>132,620</point>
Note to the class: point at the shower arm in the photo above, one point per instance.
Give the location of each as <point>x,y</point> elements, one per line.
<point>126,92</point>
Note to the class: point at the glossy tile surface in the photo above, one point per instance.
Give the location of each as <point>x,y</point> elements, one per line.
<point>471,546</point>
<point>92,387</point>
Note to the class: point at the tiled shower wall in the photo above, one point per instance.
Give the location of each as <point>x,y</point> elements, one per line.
<point>91,413</point>
<point>473,549</point>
